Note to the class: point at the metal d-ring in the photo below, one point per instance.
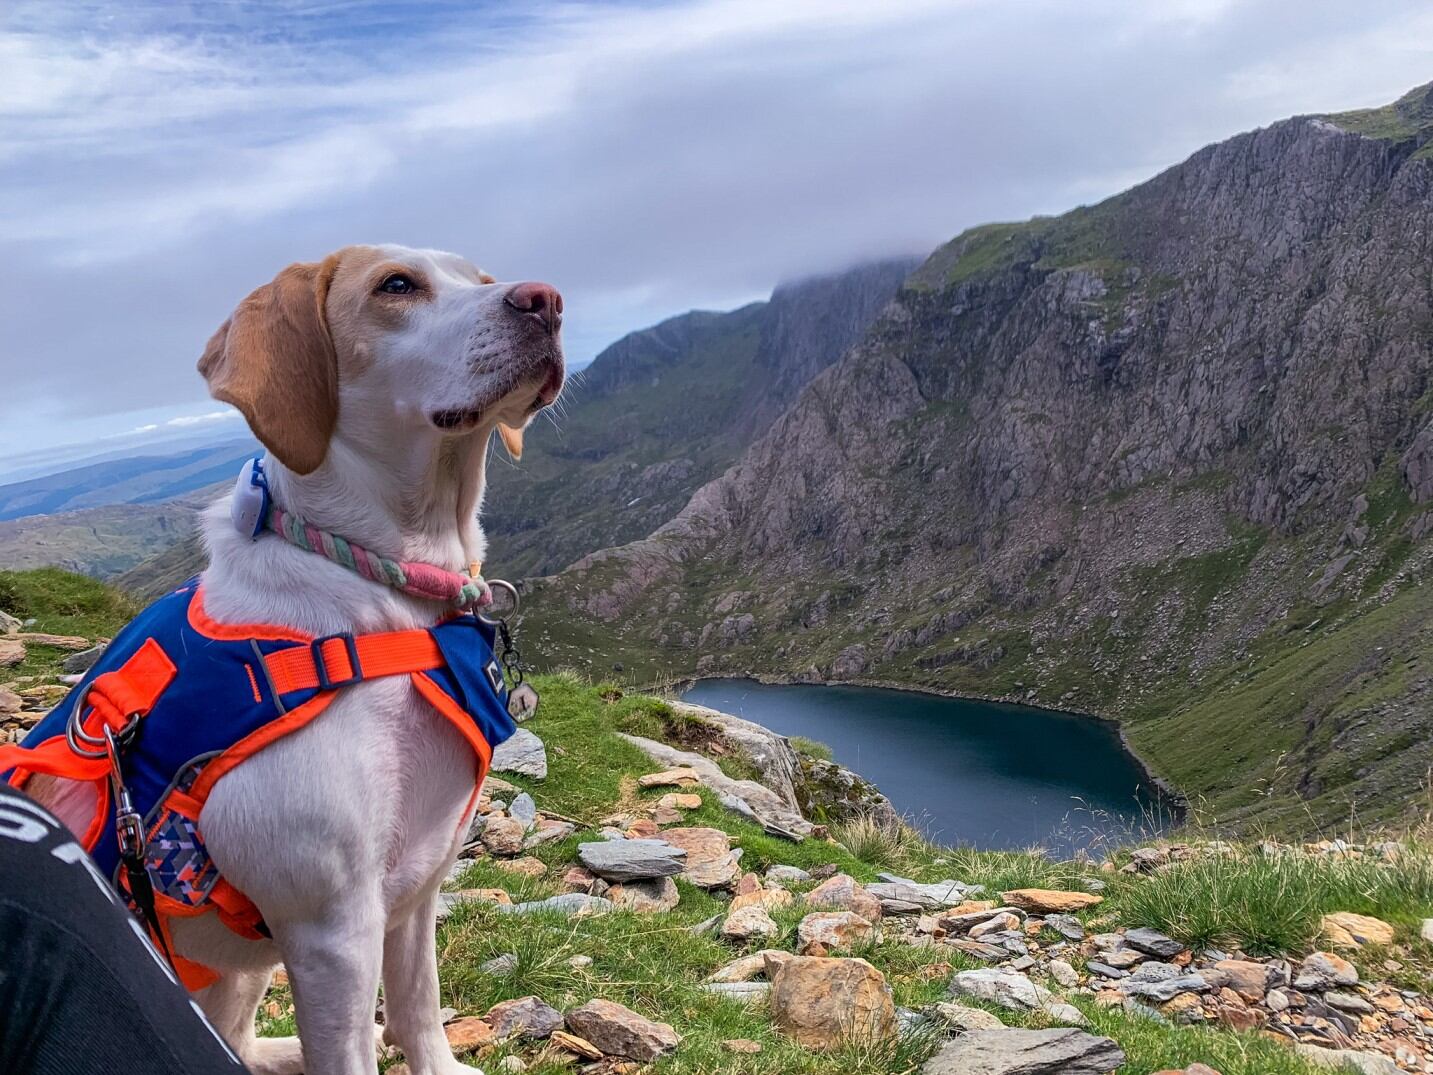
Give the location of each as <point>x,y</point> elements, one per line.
<point>511,590</point>
<point>75,731</point>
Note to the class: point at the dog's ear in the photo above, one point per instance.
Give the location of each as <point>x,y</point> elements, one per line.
<point>274,360</point>
<point>512,439</point>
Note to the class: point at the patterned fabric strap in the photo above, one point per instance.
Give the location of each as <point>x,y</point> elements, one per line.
<point>419,579</point>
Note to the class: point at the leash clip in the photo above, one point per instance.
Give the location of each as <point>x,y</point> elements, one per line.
<point>128,825</point>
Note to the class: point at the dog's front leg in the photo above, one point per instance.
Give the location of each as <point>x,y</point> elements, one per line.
<point>334,965</point>
<point>410,993</point>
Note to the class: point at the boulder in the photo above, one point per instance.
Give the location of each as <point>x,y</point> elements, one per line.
<point>842,893</point>
<point>631,860</point>
<point>1050,901</point>
<point>1163,988</point>
<point>1005,988</point>
<point>825,931</point>
<point>823,1003</point>
<point>522,753</point>
<point>1026,1052</point>
<point>619,1031</point>
<point>1324,970</point>
<point>525,1017</point>
<point>645,897</point>
<point>749,923</point>
<point>1153,942</point>
<point>710,862</point>
<point>1344,929</point>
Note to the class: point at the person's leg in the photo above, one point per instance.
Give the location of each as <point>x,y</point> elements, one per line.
<point>81,988</point>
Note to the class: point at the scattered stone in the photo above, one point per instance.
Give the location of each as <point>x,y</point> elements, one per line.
<point>502,966</point>
<point>521,753</point>
<point>74,643</point>
<point>822,932</point>
<point>1426,930</point>
<point>527,866</point>
<point>960,922</point>
<point>1064,973</point>
<point>1067,926</point>
<point>770,898</point>
<point>645,897</point>
<point>580,962</point>
<point>744,992</point>
<point>1000,923</point>
<point>679,778</point>
<point>1002,987</point>
<point>465,1035</point>
<point>794,875</point>
<point>526,1017</point>
<point>509,1065</point>
<point>1366,1062</point>
<point>967,1019</point>
<point>1324,970</point>
<point>1162,988</point>
<point>524,809</point>
<point>1276,1000</point>
<point>1184,1009</point>
<point>1064,1014</point>
<point>934,896</point>
<point>619,1031</point>
<point>1104,970</point>
<point>741,970</point>
<point>1050,901</point>
<point>677,801</point>
<point>10,702</point>
<point>504,835</point>
<point>574,1044</point>
<point>569,903</point>
<point>843,893</point>
<point>823,1003</point>
<point>749,923</point>
<point>631,860</point>
<point>12,652</point>
<point>1153,942</point>
<point>1348,1002</point>
<point>741,1045</point>
<point>1344,929</point>
<point>84,660</point>
<point>578,879</point>
<point>1249,980</point>
<point>710,861</point>
<point>1026,1052</point>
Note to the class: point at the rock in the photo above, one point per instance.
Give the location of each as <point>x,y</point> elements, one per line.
<point>1425,930</point>
<point>966,1019</point>
<point>794,875</point>
<point>522,753</point>
<point>1344,929</point>
<point>645,897</point>
<point>1104,970</point>
<point>631,860</point>
<point>619,1031</point>
<point>1348,1002</point>
<point>822,932</point>
<point>525,1017</point>
<point>745,968</point>
<point>960,922</point>
<point>1276,1000</point>
<point>741,1045</point>
<point>642,829</point>
<point>743,992</point>
<point>1067,926</point>
<point>1162,989</point>
<point>770,898</point>
<point>1005,988</point>
<point>1000,923</point>
<point>527,866</point>
<point>12,651</point>
<point>84,660</point>
<point>1050,901</point>
<point>842,893</point>
<point>500,967</point>
<point>10,702</point>
<point>9,625</point>
<point>710,862</point>
<point>508,1065</point>
<point>73,643</point>
<point>1153,942</point>
<point>569,903</point>
<point>465,1035</point>
<point>1324,970</point>
<point>578,879</point>
<point>676,801</point>
<point>574,1044</point>
<point>524,810</point>
<point>580,962</point>
<point>933,896</point>
<point>1366,1062</point>
<point>775,960</point>
<point>504,836</point>
<point>1184,1009</point>
<point>448,900</point>
<point>1064,973</point>
<point>823,1003</point>
<point>748,923</point>
<point>1249,980</point>
<point>1026,1052</point>
<point>671,778</point>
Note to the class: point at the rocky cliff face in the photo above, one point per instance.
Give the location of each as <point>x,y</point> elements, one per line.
<point>1168,457</point>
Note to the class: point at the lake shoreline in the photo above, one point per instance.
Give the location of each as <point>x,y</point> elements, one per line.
<point>1178,799</point>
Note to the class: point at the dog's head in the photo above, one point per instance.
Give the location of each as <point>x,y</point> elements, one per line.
<point>384,337</point>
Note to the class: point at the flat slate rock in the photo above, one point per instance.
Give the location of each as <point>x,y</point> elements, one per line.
<point>1153,942</point>
<point>1026,1052</point>
<point>522,753</point>
<point>1005,988</point>
<point>570,903</point>
<point>631,860</point>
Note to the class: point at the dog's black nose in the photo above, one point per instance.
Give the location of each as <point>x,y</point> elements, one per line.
<point>540,301</point>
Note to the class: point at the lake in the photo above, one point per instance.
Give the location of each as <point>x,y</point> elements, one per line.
<point>986,774</point>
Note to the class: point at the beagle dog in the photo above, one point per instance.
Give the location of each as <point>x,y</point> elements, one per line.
<point>375,379</point>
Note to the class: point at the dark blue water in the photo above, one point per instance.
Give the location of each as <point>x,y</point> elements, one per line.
<point>984,774</point>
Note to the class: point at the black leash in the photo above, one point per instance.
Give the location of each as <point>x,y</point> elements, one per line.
<point>129,834</point>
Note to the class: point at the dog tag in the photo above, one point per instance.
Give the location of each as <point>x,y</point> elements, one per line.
<point>522,702</point>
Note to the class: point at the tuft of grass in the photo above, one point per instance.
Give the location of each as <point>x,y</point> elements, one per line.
<point>811,747</point>
<point>881,843</point>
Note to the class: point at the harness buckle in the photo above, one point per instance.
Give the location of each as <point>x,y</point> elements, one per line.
<point>321,668</point>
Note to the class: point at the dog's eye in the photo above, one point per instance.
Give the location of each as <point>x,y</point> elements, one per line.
<point>397,284</point>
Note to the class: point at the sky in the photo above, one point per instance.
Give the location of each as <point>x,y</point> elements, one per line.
<point>160,160</point>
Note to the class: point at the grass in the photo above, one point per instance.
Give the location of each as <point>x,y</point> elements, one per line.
<point>810,747</point>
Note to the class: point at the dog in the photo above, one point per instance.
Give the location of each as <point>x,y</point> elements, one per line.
<point>375,380</point>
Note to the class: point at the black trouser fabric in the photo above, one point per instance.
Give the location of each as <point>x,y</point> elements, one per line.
<point>81,988</point>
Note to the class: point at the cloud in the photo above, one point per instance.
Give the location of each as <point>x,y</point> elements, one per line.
<point>159,161</point>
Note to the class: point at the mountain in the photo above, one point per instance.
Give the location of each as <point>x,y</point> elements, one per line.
<point>134,479</point>
<point>652,418</point>
<point>1168,458</point>
<point>101,542</point>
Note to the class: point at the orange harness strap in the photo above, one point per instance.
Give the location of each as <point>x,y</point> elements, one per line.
<point>349,658</point>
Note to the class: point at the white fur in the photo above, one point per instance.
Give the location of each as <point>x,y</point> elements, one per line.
<point>342,832</point>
